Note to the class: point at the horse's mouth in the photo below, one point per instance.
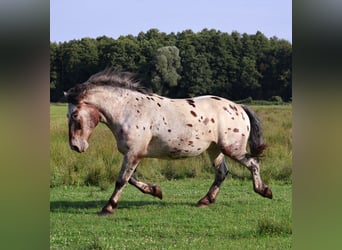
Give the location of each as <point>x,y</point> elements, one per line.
<point>75,148</point>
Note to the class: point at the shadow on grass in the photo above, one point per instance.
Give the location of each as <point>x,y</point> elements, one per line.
<point>88,206</point>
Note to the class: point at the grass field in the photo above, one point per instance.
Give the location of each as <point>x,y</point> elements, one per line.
<point>240,219</point>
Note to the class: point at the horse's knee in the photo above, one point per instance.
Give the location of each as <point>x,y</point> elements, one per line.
<point>119,183</point>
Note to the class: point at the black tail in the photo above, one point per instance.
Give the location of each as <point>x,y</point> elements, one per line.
<point>256,142</point>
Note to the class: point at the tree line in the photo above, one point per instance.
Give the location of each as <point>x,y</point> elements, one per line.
<point>185,64</point>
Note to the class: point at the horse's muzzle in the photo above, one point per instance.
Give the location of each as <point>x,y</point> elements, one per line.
<point>79,146</point>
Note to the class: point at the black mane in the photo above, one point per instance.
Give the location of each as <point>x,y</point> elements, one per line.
<point>108,77</point>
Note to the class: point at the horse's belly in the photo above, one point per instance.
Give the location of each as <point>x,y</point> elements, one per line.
<point>176,149</point>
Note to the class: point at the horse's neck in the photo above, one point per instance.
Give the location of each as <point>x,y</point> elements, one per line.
<point>111,104</point>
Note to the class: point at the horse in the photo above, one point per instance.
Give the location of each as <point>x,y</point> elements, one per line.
<point>145,124</point>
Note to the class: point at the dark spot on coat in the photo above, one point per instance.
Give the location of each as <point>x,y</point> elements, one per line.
<point>243,117</point>
<point>191,102</point>
<point>169,130</point>
<point>198,148</point>
<point>233,118</point>
<point>225,109</point>
<point>227,149</point>
<point>216,98</point>
<point>206,120</point>
<point>137,126</point>
<point>233,107</point>
<point>148,98</point>
<point>243,134</point>
<point>191,142</point>
<point>247,128</point>
<point>235,130</point>
<point>209,131</point>
<point>193,113</point>
<point>137,99</point>
<point>135,161</point>
<point>189,125</point>
<point>212,120</point>
<point>158,104</point>
<point>138,111</point>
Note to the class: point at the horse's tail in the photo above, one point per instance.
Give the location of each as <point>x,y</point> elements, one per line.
<point>255,140</point>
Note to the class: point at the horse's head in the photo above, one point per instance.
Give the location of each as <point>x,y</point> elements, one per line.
<point>83,118</point>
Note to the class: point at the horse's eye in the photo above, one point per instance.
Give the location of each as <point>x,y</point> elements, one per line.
<point>74,116</point>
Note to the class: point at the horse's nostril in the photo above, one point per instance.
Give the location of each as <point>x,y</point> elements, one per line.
<point>75,148</point>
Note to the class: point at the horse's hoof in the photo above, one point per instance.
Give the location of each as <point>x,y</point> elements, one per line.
<point>201,205</point>
<point>268,193</point>
<point>105,211</point>
<point>204,202</point>
<point>158,192</point>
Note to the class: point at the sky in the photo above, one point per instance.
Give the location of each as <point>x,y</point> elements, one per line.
<point>113,18</point>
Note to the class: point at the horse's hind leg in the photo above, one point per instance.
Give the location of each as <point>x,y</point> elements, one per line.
<point>252,163</point>
<point>221,171</point>
<point>146,188</point>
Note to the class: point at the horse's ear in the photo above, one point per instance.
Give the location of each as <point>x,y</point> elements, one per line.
<point>64,98</point>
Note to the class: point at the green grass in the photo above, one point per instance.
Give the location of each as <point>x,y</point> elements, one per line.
<point>240,218</point>
<point>101,163</point>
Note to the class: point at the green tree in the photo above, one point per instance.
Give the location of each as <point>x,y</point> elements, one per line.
<point>79,61</point>
<point>249,78</point>
<point>54,72</point>
<point>167,68</point>
<point>104,48</point>
<point>197,75</point>
<point>234,65</point>
<point>276,69</point>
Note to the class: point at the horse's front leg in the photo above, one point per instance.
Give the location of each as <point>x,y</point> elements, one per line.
<point>146,188</point>
<point>129,165</point>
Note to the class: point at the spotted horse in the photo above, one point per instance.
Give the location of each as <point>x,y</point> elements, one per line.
<point>145,124</point>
